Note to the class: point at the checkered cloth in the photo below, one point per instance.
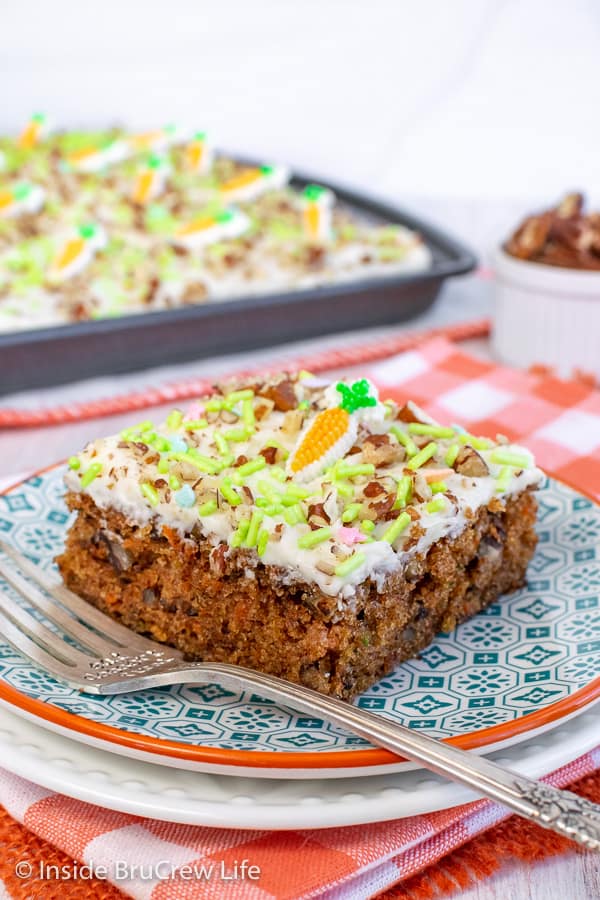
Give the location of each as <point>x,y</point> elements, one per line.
<point>560,422</point>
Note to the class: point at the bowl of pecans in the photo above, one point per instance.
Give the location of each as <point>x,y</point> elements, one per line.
<point>548,292</point>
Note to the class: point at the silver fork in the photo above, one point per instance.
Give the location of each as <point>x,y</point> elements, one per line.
<point>114,660</point>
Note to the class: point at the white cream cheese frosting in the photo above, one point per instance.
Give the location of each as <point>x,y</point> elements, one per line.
<point>223,471</point>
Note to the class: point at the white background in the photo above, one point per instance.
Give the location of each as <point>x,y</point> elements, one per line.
<point>466,110</point>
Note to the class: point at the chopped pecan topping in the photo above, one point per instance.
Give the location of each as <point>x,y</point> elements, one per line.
<point>292,422</point>
<point>317,511</point>
<point>409,413</point>
<point>372,489</point>
<point>469,462</point>
<point>194,292</point>
<point>217,560</point>
<point>383,454</point>
<point>269,454</point>
<point>262,408</point>
<point>377,439</point>
<point>282,394</point>
<point>384,507</point>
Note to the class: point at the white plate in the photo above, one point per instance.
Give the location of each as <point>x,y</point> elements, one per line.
<point>161,792</point>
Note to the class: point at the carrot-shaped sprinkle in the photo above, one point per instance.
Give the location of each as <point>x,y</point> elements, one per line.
<point>77,252</point>
<point>198,154</point>
<point>331,433</point>
<point>150,181</point>
<point>317,203</point>
<point>33,132</point>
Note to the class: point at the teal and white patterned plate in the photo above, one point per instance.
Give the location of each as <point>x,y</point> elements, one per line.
<point>526,663</point>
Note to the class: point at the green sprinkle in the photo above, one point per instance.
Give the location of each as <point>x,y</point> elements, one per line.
<point>147,425</point>
<point>503,479</point>
<point>403,438</point>
<point>274,509</point>
<point>313,538</point>
<point>436,505</point>
<point>404,492</point>
<point>248,413</point>
<point>202,463</point>
<point>436,431</point>
<point>253,465</point>
<point>213,405</point>
<point>162,444</point>
<point>422,456</point>
<point>236,434</point>
<point>349,565</point>
<point>174,483</point>
<point>508,458</point>
<point>351,512</point>
<point>163,466</point>
<point>21,191</point>
<point>345,490</point>
<point>396,528</point>
<point>300,493</point>
<point>221,443</point>
<point>451,454</point>
<point>367,526</point>
<point>208,508</point>
<point>253,529</point>
<point>438,487</point>
<point>239,536</point>
<point>262,541</point>
<point>230,495</point>
<point>277,473</point>
<point>92,472</point>
<point>269,491</point>
<point>195,424</point>
<point>150,493</point>
<point>74,462</point>
<point>346,471</point>
<point>236,396</point>
<point>293,515</point>
<point>475,442</point>
<point>304,404</point>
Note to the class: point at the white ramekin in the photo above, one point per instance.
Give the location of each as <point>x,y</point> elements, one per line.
<point>546,315</point>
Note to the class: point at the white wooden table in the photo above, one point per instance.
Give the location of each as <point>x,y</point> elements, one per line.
<point>573,877</point>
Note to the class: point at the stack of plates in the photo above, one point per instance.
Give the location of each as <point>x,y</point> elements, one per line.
<point>507,683</point>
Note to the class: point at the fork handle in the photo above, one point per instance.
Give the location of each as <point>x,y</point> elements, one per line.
<point>561,811</point>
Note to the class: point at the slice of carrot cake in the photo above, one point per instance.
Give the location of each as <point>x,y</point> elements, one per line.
<point>304,529</point>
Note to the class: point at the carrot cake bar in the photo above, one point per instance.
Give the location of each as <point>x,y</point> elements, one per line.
<point>95,225</point>
<point>300,528</point>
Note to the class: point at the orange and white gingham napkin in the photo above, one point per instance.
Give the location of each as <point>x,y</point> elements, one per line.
<point>560,422</point>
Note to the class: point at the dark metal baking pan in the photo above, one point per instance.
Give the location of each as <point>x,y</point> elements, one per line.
<point>63,353</point>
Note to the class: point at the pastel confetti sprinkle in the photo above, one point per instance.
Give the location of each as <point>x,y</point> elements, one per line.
<point>349,535</point>
<point>185,496</point>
